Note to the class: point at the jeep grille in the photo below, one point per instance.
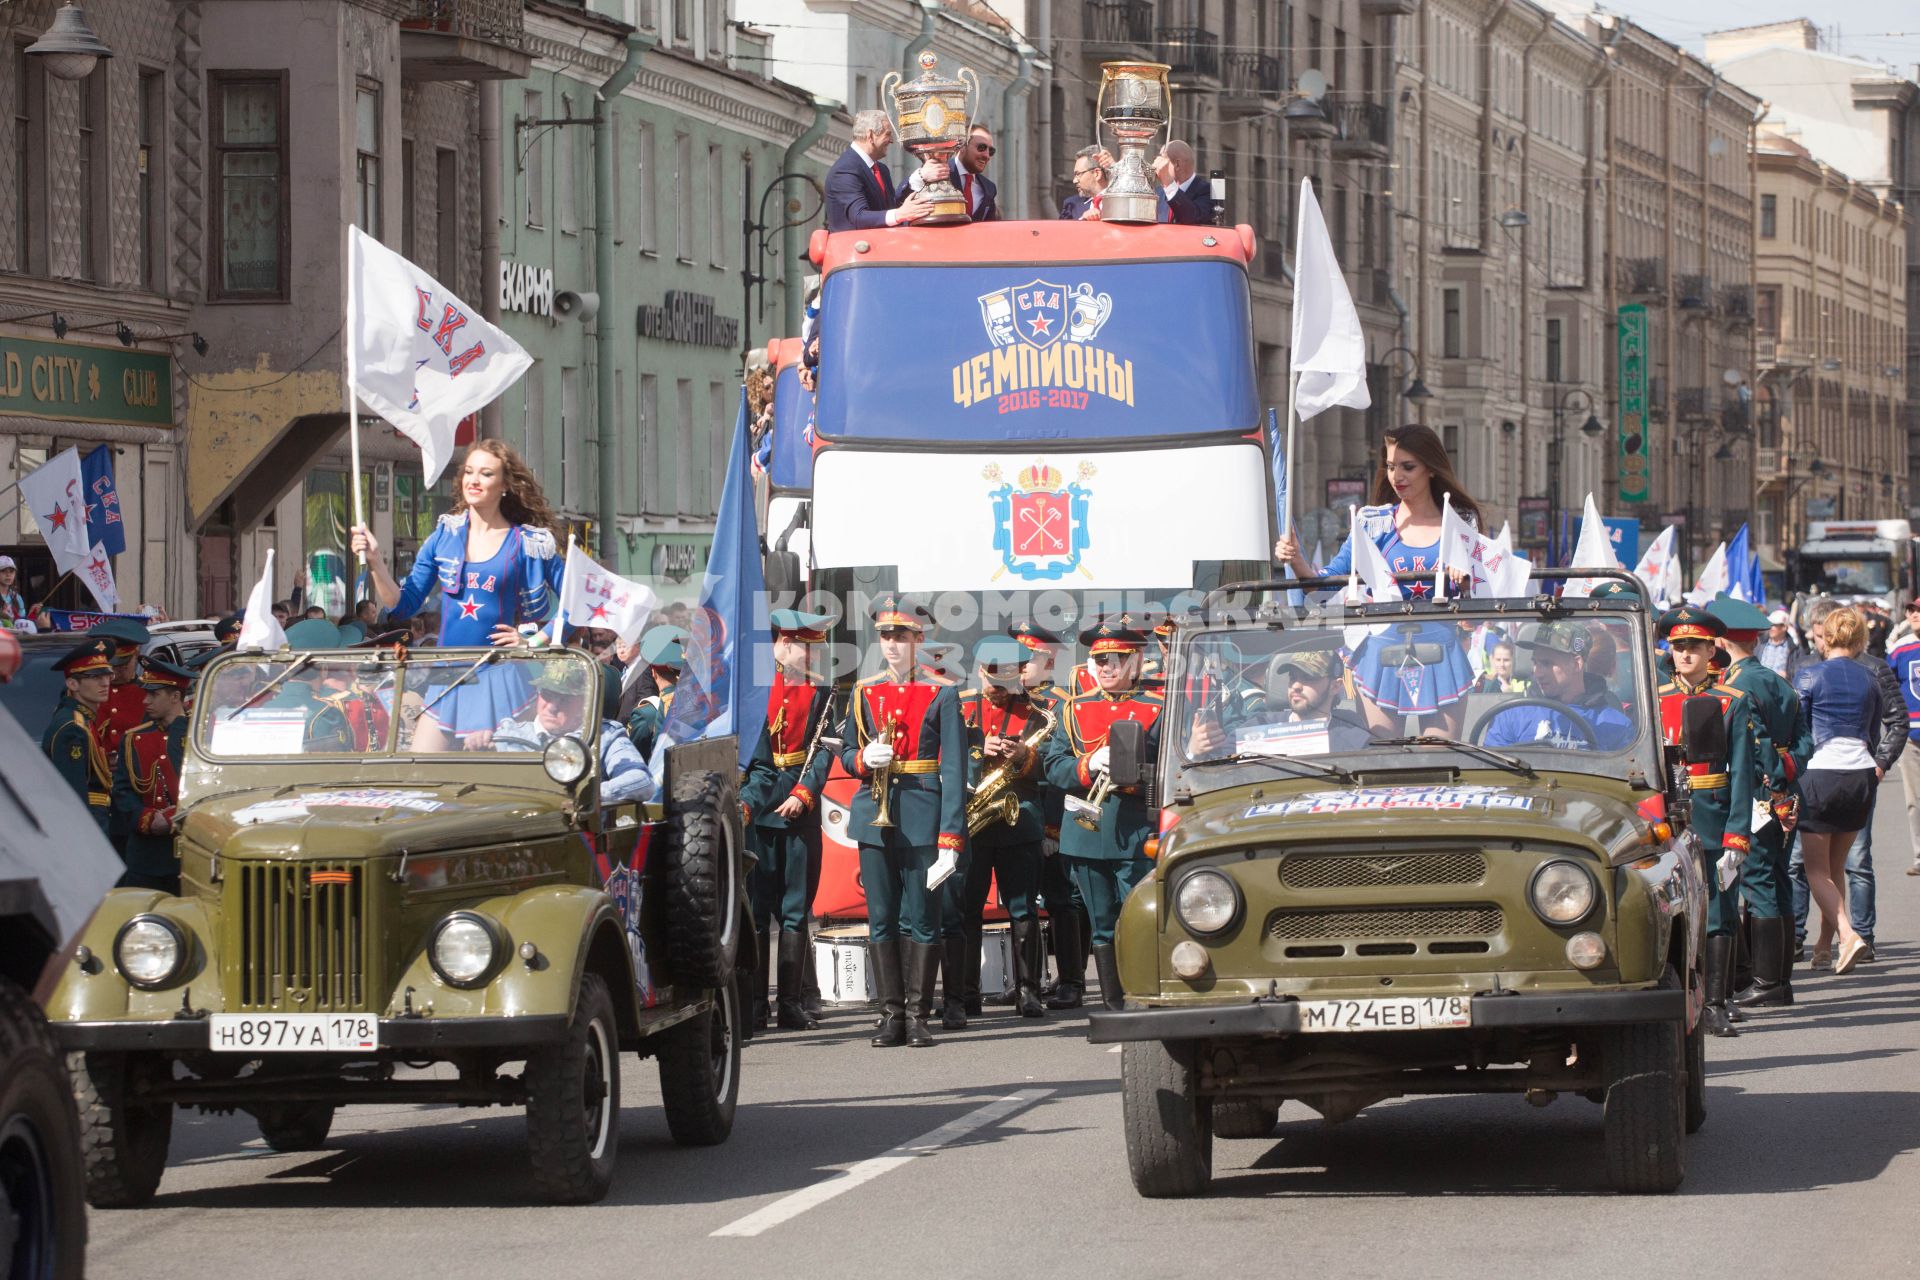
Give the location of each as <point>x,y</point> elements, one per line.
<point>303,944</point>
<point>1394,922</point>
<point>1375,870</point>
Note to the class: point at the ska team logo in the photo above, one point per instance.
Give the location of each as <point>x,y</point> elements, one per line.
<point>1039,521</point>
<point>1041,351</point>
<point>1041,313</point>
<point>626,887</point>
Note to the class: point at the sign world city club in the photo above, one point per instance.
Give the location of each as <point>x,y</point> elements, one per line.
<point>74,382</point>
<point>689,318</point>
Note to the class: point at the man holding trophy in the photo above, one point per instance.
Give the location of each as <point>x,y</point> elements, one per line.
<point>903,738</point>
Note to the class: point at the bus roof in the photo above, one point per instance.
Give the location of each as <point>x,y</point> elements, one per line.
<point>1030,243</point>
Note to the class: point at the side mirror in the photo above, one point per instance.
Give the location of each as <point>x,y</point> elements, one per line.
<point>1126,752</point>
<point>1703,731</point>
<point>784,577</point>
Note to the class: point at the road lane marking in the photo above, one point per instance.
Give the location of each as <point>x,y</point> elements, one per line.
<point>792,1206</point>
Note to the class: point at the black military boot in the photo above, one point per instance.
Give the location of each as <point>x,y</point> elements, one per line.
<point>885,957</point>
<point>923,960</point>
<point>810,982</point>
<point>1070,951</point>
<point>1107,965</point>
<point>793,955</point>
<point>974,1004</point>
<point>1771,987</point>
<point>762,974</point>
<point>1743,951</point>
<point>1026,969</point>
<point>1719,980</point>
<point>953,982</point>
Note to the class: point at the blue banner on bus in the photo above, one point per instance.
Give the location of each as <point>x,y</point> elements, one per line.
<point>792,466</point>
<point>986,354</point>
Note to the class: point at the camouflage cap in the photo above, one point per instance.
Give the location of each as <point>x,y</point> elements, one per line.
<point>562,676</point>
<point>1316,664</point>
<point>1559,636</point>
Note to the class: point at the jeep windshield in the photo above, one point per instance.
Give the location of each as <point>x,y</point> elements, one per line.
<point>1322,689</point>
<point>468,702</point>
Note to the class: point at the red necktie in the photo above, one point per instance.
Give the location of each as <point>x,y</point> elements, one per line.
<point>879,181</point>
<point>966,185</point>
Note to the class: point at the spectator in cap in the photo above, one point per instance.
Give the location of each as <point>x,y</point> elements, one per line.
<point>71,741</point>
<point>13,606</point>
<point>560,710</point>
<point>146,779</point>
<point>1776,649</point>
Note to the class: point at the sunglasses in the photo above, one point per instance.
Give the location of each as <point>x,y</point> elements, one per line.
<point>1110,659</point>
<point>988,148</point>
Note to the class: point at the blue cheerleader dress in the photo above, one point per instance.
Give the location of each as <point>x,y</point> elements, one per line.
<point>519,583</point>
<point>1407,689</point>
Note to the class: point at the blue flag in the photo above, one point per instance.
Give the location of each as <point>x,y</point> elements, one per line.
<point>729,671</point>
<point>103,502</point>
<point>1743,570</point>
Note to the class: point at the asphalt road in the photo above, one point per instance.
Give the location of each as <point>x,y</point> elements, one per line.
<point>1806,1167</point>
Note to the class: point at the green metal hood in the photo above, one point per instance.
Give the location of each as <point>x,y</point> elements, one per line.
<point>335,822</point>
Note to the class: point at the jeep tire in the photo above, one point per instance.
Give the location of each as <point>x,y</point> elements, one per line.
<point>123,1140</point>
<point>295,1126</point>
<point>1169,1125</point>
<point>1643,1125</point>
<point>1697,1075</point>
<point>43,1212</point>
<point>700,1071</point>
<point>573,1102</point>
<point>702,869</point>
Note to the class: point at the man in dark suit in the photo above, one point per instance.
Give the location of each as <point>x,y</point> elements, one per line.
<point>1187,192</point>
<point>983,197</point>
<point>860,191</point>
<point>1092,171</point>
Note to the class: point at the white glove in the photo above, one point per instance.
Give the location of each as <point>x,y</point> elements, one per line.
<point>1049,846</point>
<point>944,865</point>
<point>1729,867</point>
<point>877,755</point>
<point>1097,762</point>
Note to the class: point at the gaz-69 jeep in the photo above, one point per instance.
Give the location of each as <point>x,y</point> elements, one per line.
<point>1499,898</point>
<point>365,892</point>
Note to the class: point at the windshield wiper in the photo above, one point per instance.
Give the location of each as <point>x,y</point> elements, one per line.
<point>1302,766</point>
<point>491,655</point>
<point>1500,759</point>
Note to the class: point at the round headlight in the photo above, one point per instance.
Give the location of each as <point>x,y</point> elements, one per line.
<point>463,949</point>
<point>150,951</point>
<point>1206,902</point>
<point>1563,892</point>
<point>565,761</point>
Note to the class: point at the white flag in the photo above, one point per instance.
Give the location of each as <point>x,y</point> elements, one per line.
<point>96,570</point>
<point>1367,577</point>
<point>1659,570</point>
<point>1506,535</point>
<point>422,358</point>
<point>591,596</point>
<point>56,496</point>
<point>1713,579</point>
<point>1329,347</point>
<point>1594,550</point>
<point>1493,570</point>
<point>259,629</point>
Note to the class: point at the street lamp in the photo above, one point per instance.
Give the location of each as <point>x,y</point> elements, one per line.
<point>1416,390</point>
<point>1592,429</point>
<point>69,49</point>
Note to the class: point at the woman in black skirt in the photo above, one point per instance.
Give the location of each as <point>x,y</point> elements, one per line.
<point>1840,704</point>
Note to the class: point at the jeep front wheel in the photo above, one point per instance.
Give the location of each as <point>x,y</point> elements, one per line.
<point>573,1102</point>
<point>700,1071</point>
<point>1643,1126</point>
<point>1169,1125</point>
<point>123,1139</point>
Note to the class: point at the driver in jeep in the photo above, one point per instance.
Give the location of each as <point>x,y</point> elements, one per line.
<point>1560,711</point>
<point>559,709</point>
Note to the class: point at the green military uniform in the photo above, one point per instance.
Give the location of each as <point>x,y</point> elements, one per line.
<point>1722,796</point>
<point>926,792</point>
<point>146,786</point>
<point>788,764</point>
<point>1763,880</point>
<point>327,727</point>
<point>663,650</point>
<point>1108,860</point>
<point>71,740</point>
<point>1058,895</point>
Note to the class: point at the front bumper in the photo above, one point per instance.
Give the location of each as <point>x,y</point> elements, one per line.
<point>1282,1017</point>
<point>406,1034</point>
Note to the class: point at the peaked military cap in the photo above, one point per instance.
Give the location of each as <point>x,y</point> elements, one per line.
<point>227,629</point>
<point>1032,636</point>
<point>1737,615</point>
<point>796,624</point>
<point>1689,622</point>
<point>1114,633</point>
<point>664,647</point>
<point>1613,590</point>
<point>155,674</point>
<point>898,611</point>
<point>127,632</point>
<point>90,656</point>
<point>313,633</point>
<point>999,651</point>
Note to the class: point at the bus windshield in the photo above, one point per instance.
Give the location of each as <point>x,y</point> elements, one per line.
<point>1848,575</point>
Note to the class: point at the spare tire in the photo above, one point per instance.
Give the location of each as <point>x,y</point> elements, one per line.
<point>702,868</point>
<point>43,1212</point>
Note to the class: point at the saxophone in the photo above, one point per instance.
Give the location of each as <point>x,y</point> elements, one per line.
<point>995,800</point>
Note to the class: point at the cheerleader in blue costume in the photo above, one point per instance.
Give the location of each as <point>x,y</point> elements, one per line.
<point>1404,522</point>
<point>494,562</point>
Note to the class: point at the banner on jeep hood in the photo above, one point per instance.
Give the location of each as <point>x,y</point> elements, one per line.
<point>992,354</point>
<point>1032,520</point>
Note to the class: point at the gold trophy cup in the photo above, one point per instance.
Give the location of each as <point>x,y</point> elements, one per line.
<point>1135,102</point>
<point>932,117</point>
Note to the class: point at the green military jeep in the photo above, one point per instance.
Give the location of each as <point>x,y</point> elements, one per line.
<point>1501,897</point>
<point>372,885</point>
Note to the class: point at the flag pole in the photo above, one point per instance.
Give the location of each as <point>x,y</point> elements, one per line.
<point>353,398</point>
<point>557,629</point>
<point>1293,423</point>
<point>1440,561</point>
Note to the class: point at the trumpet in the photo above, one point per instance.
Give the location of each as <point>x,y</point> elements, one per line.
<point>883,779</point>
<point>994,800</point>
<point>1087,812</point>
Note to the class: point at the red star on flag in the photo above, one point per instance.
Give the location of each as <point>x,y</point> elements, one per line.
<point>1041,324</point>
<point>59,518</point>
<point>469,608</point>
<point>599,611</point>
<point>96,565</point>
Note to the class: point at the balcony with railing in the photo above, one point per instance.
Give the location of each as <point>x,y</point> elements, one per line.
<point>464,40</point>
<point>1643,277</point>
<point>1360,126</point>
<point>1249,81</point>
<point>1695,291</point>
<point>1118,27</point>
<point>1189,51</point>
<point>1736,305</point>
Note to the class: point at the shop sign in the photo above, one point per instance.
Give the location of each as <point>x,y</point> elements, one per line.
<point>526,288</point>
<point>1631,395</point>
<point>74,382</point>
<point>678,561</point>
<point>689,317</point>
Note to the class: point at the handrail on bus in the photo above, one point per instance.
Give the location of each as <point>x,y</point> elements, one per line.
<point>1339,582</point>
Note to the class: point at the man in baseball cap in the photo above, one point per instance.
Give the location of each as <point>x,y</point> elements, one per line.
<point>1561,713</point>
<point>561,688</point>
